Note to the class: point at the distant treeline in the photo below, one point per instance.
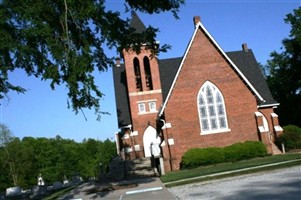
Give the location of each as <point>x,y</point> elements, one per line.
<point>21,161</point>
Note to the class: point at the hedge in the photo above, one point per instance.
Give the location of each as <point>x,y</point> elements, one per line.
<point>291,137</point>
<point>213,155</point>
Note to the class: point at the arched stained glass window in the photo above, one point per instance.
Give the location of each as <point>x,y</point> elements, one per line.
<point>212,111</point>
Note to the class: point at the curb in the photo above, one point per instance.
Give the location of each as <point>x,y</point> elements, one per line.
<point>230,172</point>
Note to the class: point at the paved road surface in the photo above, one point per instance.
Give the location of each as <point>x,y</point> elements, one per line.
<point>283,184</point>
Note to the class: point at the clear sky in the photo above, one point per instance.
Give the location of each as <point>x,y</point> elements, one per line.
<point>41,112</point>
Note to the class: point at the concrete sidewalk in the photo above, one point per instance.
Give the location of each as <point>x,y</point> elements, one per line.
<point>148,188</point>
<point>144,188</point>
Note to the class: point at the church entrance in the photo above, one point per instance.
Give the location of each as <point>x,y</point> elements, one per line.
<point>151,142</point>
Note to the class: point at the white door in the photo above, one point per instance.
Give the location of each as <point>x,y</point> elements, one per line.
<point>151,142</point>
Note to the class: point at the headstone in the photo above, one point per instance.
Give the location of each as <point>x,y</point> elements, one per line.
<point>65,181</point>
<point>13,191</point>
<point>40,180</point>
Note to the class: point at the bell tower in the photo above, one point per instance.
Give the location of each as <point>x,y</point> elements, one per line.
<point>144,92</point>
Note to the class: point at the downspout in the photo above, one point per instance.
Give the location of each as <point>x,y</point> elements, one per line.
<point>168,147</point>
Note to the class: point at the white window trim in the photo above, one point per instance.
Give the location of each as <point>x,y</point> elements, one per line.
<point>139,108</point>
<point>224,130</point>
<point>210,131</point>
<point>147,109</point>
<point>149,106</point>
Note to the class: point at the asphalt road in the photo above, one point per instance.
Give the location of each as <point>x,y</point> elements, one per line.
<point>283,184</point>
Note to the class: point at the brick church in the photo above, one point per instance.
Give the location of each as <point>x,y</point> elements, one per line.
<point>205,98</point>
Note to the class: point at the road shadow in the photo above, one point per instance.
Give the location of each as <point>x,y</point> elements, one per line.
<point>275,191</point>
<point>104,189</point>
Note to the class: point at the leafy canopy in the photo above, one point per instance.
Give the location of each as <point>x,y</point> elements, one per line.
<point>285,73</point>
<point>62,41</point>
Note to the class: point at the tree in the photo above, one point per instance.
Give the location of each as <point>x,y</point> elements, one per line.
<point>21,161</point>
<point>284,77</point>
<point>107,152</point>
<point>62,41</point>
<point>6,139</point>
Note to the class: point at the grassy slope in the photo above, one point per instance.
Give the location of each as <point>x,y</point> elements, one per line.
<point>224,167</point>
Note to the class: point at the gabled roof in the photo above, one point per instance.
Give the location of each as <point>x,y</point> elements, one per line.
<point>136,23</point>
<point>121,96</point>
<point>198,26</point>
<point>168,69</point>
<point>248,65</point>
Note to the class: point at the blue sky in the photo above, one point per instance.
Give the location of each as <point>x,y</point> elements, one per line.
<point>41,112</point>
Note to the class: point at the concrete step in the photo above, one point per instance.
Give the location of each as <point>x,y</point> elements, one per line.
<point>138,168</point>
<point>275,149</point>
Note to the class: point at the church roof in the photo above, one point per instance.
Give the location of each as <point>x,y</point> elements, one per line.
<point>247,64</point>
<point>245,61</point>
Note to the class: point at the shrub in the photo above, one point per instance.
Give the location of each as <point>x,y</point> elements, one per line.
<point>244,150</point>
<point>291,137</point>
<point>197,156</point>
<point>207,156</point>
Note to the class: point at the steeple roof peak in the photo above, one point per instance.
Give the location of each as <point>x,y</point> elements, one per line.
<point>136,23</point>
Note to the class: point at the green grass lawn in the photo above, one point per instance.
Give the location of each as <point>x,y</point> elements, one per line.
<point>224,167</point>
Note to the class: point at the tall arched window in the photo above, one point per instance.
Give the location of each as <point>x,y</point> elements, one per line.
<point>137,74</point>
<point>148,75</point>
<point>212,111</point>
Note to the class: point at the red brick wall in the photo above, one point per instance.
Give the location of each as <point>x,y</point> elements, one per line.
<point>128,61</point>
<point>204,63</point>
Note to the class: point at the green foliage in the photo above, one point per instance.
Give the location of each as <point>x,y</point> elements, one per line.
<point>6,135</point>
<point>291,137</point>
<point>213,155</point>
<point>22,161</point>
<point>284,77</point>
<point>196,157</point>
<point>244,150</point>
<point>156,6</point>
<point>62,41</point>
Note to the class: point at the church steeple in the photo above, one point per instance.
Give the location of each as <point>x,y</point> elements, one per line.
<point>143,83</point>
<point>136,23</point>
